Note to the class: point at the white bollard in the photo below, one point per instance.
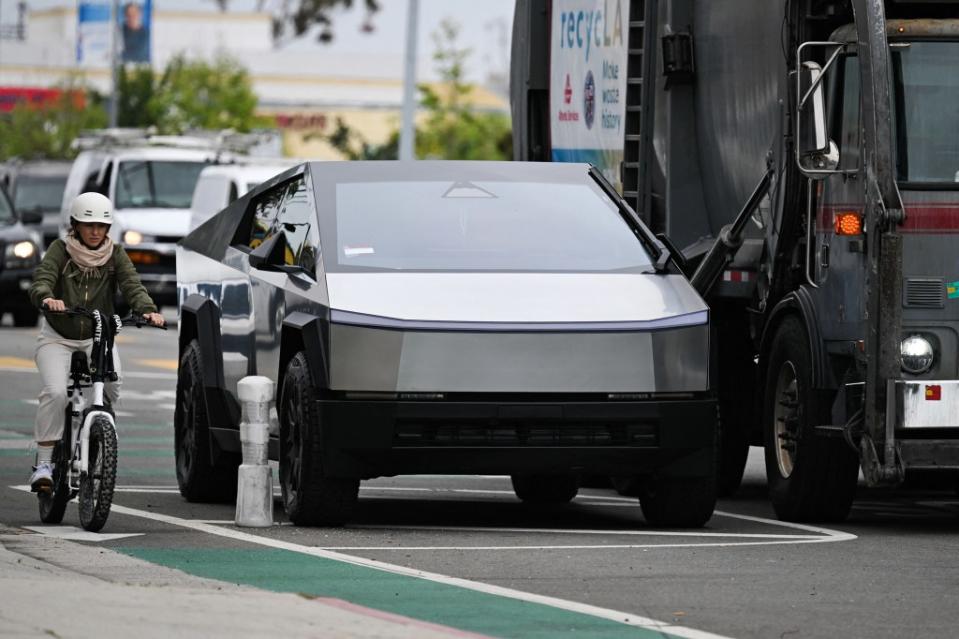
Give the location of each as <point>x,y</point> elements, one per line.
<point>254,480</point>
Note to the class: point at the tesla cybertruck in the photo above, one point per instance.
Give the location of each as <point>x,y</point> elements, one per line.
<point>445,318</point>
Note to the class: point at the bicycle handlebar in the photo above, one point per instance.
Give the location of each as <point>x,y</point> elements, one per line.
<point>131,320</point>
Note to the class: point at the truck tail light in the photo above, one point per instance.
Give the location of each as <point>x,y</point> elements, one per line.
<point>848,223</point>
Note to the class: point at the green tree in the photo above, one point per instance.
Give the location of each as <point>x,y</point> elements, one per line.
<point>453,130</point>
<point>193,94</point>
<point>47,130</point>
<point>299,16</point>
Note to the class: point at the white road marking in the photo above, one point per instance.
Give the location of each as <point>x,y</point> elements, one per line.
<point>821,535</point>
<point>626,618</point>
<point>72,533</point>
<point>16,444</point>
<point>581,531</point>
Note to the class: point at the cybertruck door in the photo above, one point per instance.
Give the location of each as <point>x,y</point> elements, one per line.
<point>287,272</point>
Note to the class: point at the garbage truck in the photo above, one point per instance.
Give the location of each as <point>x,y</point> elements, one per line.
<point>802,159</point>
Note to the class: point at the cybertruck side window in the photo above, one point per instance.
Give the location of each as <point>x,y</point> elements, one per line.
<point>297,221</point>
<point>265,208</point>
<point>286,209</point>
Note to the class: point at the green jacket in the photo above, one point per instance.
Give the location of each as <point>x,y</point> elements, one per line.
<point>58,277</point>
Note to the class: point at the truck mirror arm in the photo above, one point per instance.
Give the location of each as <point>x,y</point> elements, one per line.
<point>729,240</point>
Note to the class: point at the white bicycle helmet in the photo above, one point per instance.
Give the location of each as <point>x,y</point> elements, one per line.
<point>91,207</point>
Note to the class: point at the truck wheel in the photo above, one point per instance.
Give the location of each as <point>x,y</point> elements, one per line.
<point>545,489</point>
<point>25,317</point>
<point>198,478</point>
<point>810,478</point>
<point>309,496</point>
<point>678,502</point>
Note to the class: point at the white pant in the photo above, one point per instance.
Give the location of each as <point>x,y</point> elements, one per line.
<point>53,356</point>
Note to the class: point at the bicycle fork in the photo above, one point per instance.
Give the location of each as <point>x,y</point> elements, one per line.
<point>81,432</point>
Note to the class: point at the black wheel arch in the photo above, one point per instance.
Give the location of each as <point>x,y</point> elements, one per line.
<point>309,334</point>
<point>200,320</point>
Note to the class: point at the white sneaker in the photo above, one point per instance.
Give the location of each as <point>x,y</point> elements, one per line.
<point>42,478</point>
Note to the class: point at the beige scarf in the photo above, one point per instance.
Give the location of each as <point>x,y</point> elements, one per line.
<point>89,260</point>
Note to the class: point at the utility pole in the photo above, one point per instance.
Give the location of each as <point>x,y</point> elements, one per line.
<point>114,62</point>
<point>407,131</point>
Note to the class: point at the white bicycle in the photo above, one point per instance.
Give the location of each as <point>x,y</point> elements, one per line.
<point>85,458</point>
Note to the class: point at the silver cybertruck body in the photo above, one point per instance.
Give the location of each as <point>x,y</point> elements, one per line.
<point>444,317</point>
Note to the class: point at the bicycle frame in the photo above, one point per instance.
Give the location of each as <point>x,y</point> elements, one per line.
<point>101,370</point>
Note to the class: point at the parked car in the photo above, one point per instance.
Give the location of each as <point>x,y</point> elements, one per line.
<point>445,317</point>
<point>36,187</point>
<point>221,184</point>
<point>151,188</point>
<point>21,254</point>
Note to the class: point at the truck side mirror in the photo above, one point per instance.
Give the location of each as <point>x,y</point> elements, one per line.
<point>817,154</point>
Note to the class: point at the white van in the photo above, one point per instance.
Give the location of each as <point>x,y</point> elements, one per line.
<point>221,184</point>
<point>151,188</point>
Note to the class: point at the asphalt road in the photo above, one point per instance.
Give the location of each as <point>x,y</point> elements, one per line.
<point>464,553</point>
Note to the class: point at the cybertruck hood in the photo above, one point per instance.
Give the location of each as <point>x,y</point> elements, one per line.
<point>656,301</point>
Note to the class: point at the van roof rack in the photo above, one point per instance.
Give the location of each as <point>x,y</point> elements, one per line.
<point>227,141</point>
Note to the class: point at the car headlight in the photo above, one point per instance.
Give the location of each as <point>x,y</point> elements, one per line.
<point>22,254</point>
<point>132,238</point>
<point>917,354</point>
<point>24,249</point>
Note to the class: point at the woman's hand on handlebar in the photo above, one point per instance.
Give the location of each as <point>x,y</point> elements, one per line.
<point>55,305</point>
<point>156,319</point>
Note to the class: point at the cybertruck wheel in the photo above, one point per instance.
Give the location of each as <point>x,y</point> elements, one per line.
<point>199,479</point>
<point>545,489</point>
<point>683,501</point>
<point>678,502</point>
<point>310,497</point>
<point>810,478</point>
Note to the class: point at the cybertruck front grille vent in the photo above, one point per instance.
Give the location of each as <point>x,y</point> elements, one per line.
<point>419,434</point>
<point>925,292</point>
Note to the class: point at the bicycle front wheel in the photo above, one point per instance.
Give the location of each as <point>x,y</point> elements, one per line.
<point>96,486</point>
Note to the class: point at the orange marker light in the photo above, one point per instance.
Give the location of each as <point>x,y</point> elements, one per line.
<point>848,223</point>
<point>934,392</point>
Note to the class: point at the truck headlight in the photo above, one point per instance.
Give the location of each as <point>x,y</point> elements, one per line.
<point>132,238</point>
<point>917,354</point>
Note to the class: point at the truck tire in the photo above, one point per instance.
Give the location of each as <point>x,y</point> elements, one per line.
<point>811,478</point>
<point>545,489</point>
<point>310,497</point>
<point>678,502</point>
<point>198,478</point>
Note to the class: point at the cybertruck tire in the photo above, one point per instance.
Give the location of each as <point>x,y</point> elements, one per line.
<point>545,489</point>
<point>310,497</point>
<point>200,480</point>
<point>811,478</point>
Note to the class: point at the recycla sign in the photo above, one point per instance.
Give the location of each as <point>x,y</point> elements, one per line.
<point>588,82</point>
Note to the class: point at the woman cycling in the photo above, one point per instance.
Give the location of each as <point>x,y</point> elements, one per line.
<point>86,269</point>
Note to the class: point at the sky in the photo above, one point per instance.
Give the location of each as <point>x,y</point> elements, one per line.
<point>485,27</point>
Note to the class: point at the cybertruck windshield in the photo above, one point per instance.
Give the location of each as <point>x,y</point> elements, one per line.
<point>926,94</point>
<point>481,225</point>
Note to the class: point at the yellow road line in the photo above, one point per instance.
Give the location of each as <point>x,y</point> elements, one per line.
<point>16,362</point>
<point>166,364</point>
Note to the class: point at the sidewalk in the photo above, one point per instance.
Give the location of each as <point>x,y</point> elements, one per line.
<point>82,590</point>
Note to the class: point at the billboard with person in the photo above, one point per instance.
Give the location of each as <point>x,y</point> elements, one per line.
<point>136,21</point>
<point>133,30</point>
